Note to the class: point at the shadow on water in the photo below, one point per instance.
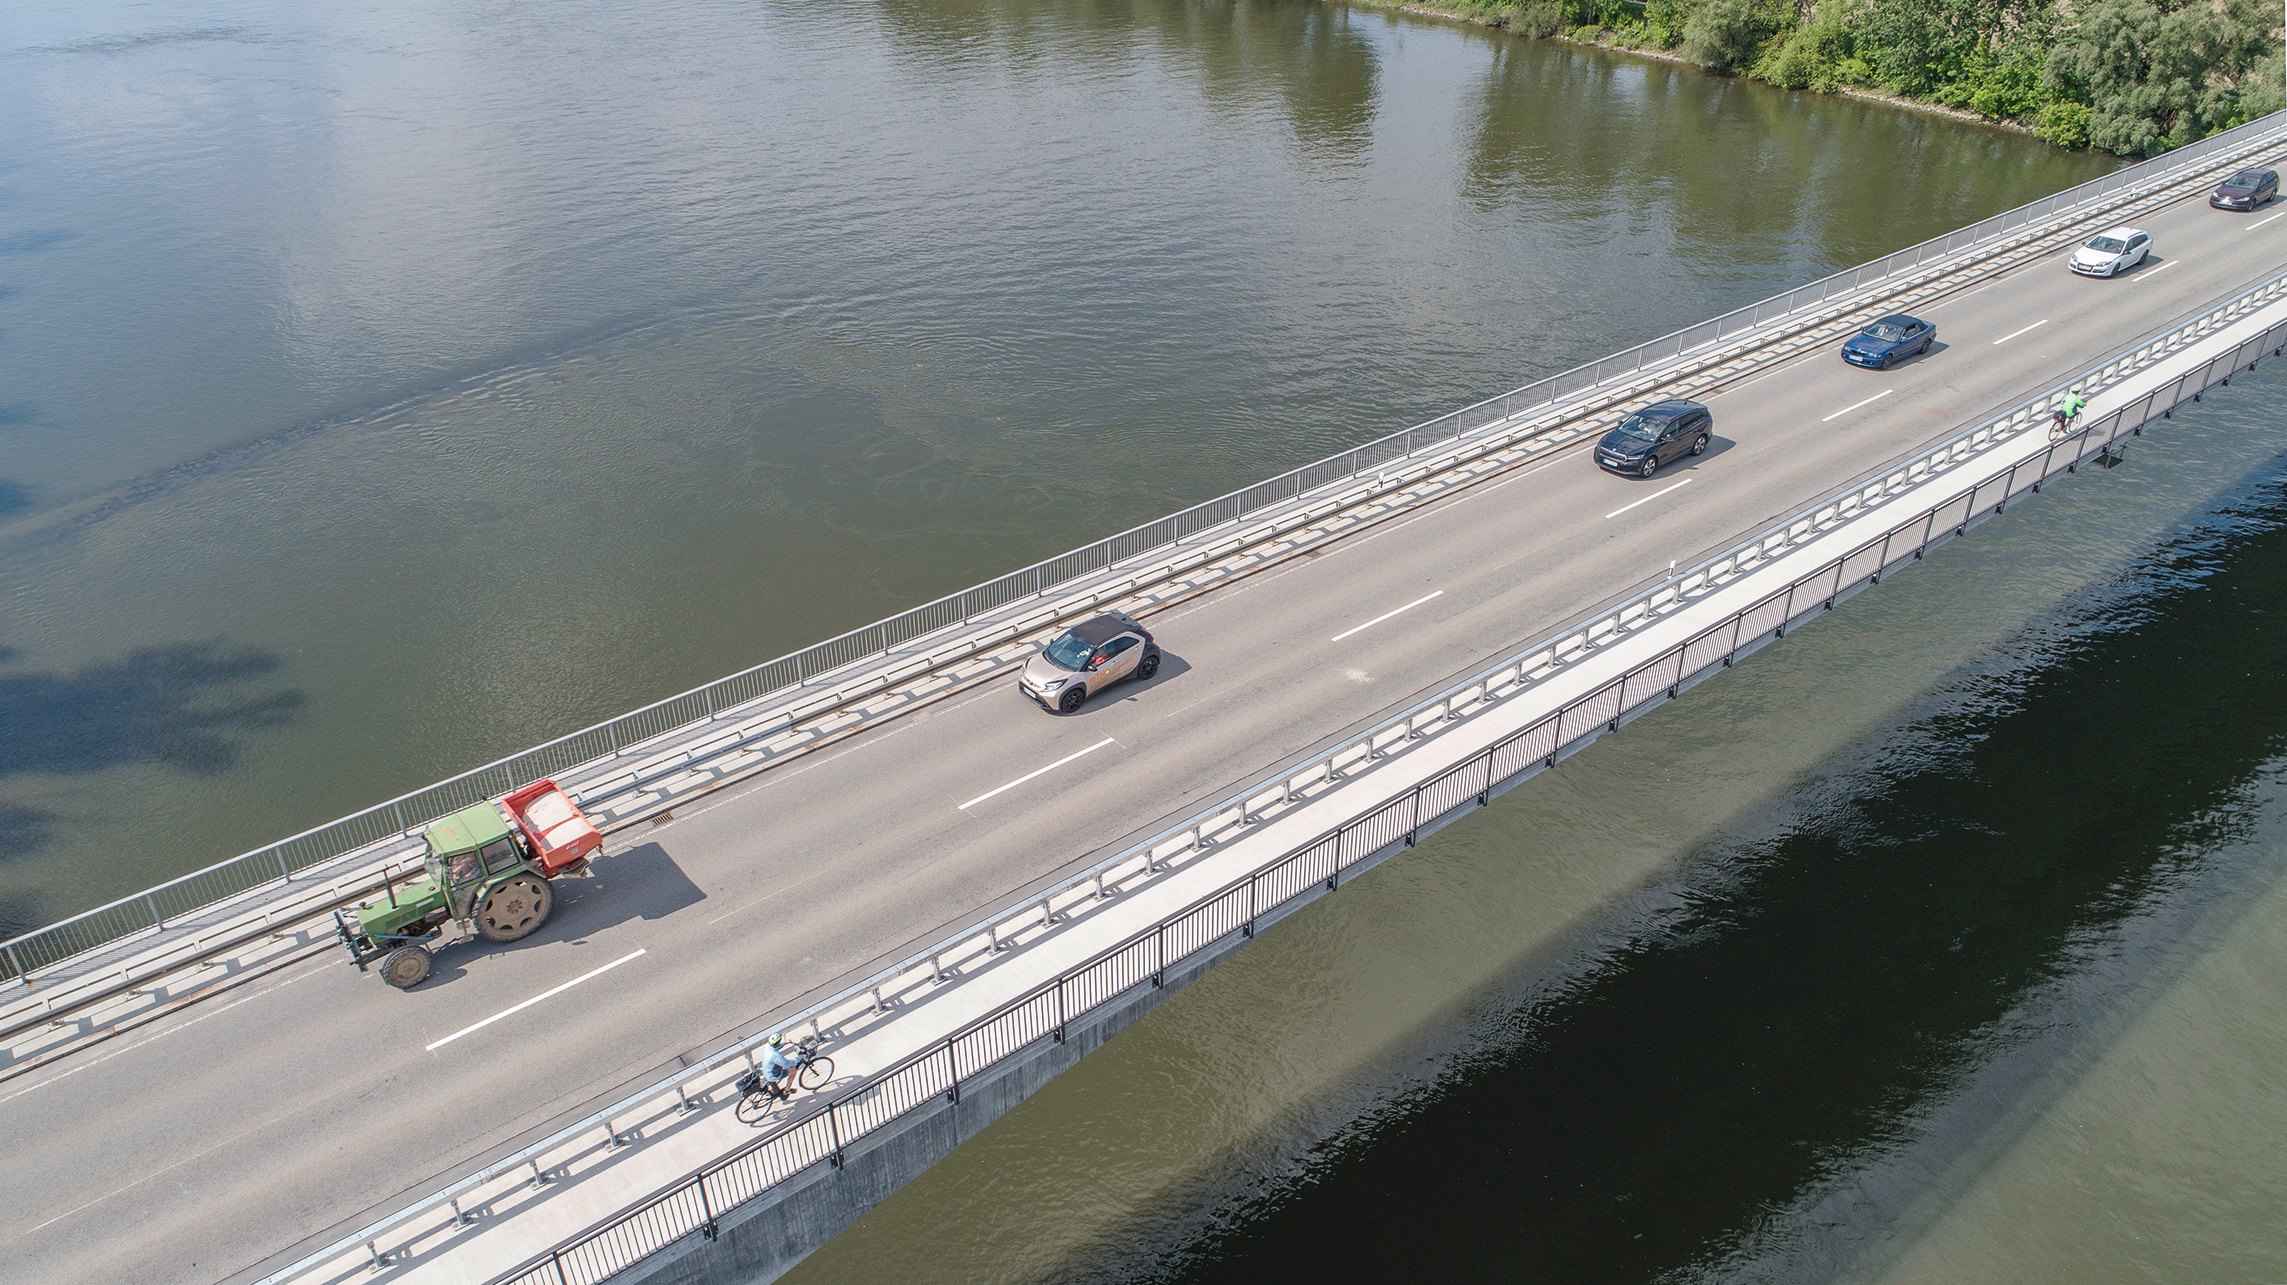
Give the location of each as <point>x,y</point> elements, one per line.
<point>24,830</point>
<point>182,706</point>
<point>14,498</point>
<point>1641,1100</point>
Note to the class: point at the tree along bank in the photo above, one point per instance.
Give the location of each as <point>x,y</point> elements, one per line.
<point>2133,77</point>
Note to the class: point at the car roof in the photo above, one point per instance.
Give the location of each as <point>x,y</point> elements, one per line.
<point>1897,319</point>
<point>2122,232</point>
<point>1098,629</point>
<point>1669,409</point>
<point>2250,176</point>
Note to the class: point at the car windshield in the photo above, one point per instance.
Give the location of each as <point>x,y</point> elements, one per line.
<point>1068,650</point>
<point>2245,180</point>
<point>2108,244</point>
<point>1883,331</point>
<point>1642,427</point>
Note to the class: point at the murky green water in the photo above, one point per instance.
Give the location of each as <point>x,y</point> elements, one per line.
<point>334,343</point>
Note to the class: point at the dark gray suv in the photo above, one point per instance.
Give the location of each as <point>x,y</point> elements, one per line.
<point>1086,659</point>
<point>1653,436</point>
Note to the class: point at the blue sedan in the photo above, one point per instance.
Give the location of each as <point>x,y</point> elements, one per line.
<point>1889,341</point>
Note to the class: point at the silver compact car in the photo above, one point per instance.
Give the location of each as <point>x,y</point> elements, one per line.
<point>1086,659</point>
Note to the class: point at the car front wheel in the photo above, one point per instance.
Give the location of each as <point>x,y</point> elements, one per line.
<point>1074,696</point>
<point>1650,466</point>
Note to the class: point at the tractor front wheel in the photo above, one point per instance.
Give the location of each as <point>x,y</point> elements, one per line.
<point>515,909</point>
<point>405,966</point>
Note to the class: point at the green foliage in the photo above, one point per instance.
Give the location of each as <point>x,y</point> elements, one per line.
<point>1813,55</point>
<point>1537,17</point>
<point>2158,74</point>
<point>2128,76</point>
<point>2065,124</point>
<point>1724,35</point>
<point>2003,86</point>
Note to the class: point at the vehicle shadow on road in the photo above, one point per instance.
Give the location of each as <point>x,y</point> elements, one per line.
<point>1715,448</point>
<point>1171,667</point>
<point>641,883</point>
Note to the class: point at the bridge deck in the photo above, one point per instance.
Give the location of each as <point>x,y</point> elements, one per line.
<point>190,1149</point>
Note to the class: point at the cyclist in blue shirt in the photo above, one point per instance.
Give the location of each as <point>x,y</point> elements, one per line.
<point>778,1067</point>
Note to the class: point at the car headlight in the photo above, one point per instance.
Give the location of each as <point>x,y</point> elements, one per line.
<point>1054,684</point>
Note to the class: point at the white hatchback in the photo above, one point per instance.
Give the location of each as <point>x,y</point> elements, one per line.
<point>2108,254</point>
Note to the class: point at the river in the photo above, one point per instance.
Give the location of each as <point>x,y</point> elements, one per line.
<point>383,391</point>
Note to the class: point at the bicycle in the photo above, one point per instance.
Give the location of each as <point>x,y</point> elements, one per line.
<point>757,1095</point>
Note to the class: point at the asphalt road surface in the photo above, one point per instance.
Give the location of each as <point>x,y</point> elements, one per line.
<point>202,1145</point>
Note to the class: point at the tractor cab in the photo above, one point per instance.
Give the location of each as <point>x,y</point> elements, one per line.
<point>467,850</point>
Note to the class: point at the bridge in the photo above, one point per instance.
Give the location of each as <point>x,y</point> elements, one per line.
<point>879,841</point>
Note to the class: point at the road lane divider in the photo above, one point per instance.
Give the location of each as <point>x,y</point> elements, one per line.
<point>1647,499</point>
<point>550,993</point>
<point>1855,405</point>
<point>2272,219</point>
<point>2155,270</point>
<point>2026,331</point>
<point>1386,615</point>
<point>1036,772</point>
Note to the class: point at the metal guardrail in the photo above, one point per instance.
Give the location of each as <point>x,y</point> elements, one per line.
<point>279,861</point>
<point>695,1204</point>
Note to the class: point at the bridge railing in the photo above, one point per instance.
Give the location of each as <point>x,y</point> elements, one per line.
<point>695,1204</point>
<point>281,861</point>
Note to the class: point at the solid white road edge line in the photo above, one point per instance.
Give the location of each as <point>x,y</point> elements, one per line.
<point>1647,499</point>
<point>1386,615</point>
<point>2014,333</point>
<point>1029,775</point>
<point>509,1012</point>
<point>1855,405</point>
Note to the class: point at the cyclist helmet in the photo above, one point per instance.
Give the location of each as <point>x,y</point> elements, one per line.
<point>777,1040</point>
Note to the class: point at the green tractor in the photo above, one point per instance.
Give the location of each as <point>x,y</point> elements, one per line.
<point>488,869</point>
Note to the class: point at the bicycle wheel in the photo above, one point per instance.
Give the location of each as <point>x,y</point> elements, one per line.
<point>754,1107</point>
<point>818,1071</point>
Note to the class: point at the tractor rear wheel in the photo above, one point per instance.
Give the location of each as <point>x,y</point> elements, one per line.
<point>405,966</point>
<point>515,909</point>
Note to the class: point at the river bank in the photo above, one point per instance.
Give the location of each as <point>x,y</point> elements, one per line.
<point>1608,40</point>
<point>2086,78</point>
